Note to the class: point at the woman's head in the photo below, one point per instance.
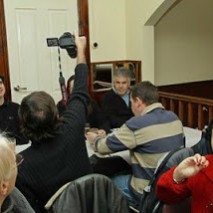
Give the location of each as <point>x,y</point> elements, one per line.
<point>8,167</point>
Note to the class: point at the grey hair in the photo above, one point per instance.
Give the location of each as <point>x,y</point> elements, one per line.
<point>122,72</point>
<point>6,157</point>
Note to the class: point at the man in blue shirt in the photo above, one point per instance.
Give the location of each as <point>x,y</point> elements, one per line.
<point>116,103</point>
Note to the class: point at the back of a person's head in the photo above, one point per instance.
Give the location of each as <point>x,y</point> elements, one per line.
<point>7,158</point>
<point>146,91</point>
<point>122,72</point>
<point>38,116</point>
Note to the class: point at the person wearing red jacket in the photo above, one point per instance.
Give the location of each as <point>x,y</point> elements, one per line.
<point>193,177</point>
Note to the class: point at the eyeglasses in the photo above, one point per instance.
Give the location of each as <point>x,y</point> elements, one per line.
<point>19,159</point>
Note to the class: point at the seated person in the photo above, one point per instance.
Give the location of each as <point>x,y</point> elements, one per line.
<point>205,145</point>
<point>116,103</point>
<point>151,133</point>
<point>192,177</point>
<point>11,200</point>
<point>58,151</point>
<point>9,120</point>
<point>95,117</point>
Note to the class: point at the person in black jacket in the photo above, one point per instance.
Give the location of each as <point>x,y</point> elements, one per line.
<point>205,145</point>
<point>58,152</point>
<point>9,121</point>
<point>95,117</point>
<point>116,103</point>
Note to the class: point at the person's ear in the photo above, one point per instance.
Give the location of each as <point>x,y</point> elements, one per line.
<point>4,188</point>
<point>138,101</point>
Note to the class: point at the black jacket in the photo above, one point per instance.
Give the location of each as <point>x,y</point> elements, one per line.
<point>50,164</point>
<point>115,109</point>
<point>90,194</point>
<point>9,121</point>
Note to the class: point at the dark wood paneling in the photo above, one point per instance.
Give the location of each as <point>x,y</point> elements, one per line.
<point>4,67</point>
<point>198,89</point>
<point>83,24</point>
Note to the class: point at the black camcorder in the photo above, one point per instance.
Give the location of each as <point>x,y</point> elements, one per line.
<point>66,41</point>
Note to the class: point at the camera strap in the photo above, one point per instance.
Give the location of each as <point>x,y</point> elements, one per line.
<point>62,81</point>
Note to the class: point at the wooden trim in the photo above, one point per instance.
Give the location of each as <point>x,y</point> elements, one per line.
<point>4,66</point>
<point>83,25</point>
<point>193,111</point>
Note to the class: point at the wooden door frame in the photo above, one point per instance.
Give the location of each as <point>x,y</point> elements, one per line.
<point>4,64</point>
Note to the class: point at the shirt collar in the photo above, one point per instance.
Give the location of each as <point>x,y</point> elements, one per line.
<point>152,107</point>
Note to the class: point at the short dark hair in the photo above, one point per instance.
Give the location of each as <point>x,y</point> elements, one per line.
<point>146,91</point>
<point>38,116</point>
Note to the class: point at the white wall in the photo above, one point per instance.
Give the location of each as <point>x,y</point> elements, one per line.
<point>107,21</point>
<point>184,43</point>
<point>119,27</point>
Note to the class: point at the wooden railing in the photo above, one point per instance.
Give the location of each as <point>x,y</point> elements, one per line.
<point>194,112</point>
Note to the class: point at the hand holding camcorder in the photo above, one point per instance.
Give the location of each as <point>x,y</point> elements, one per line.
<point>66,41</point>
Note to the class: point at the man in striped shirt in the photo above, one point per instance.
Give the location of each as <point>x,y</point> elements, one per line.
<point>148,136</point>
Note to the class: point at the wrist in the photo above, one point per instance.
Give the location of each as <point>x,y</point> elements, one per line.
<point>95,143</point>
<point>178,181</point>
<point>177,178</point>
<point>81,58</point>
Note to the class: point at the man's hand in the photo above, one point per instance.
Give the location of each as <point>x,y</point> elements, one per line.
<point>90,136</point>
<point>93,133</point>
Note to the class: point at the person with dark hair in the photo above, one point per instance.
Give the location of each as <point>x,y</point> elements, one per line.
<point>58,151</point>
<point>116,104</point>
<point>9,121</point>
<point>95,117</point>
<point>205,145</point>
<point>148,136</point>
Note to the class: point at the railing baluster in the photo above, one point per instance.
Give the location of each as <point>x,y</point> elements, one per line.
<point>210,113</point>
<point>180,110</point>
<point>171,100</point>
<point>200,116</point>
<point>190,119</point>
<point>172,105</point>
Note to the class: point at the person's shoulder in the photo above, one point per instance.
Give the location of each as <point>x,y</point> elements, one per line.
<point>110,94</point>
<point>134,122</point>
<point>171,114</point>
<point>13,105</point>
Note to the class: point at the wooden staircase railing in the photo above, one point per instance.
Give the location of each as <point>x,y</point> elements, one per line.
<point>194,112</point>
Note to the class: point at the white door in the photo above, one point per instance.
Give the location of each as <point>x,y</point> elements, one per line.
<point>34,66</point>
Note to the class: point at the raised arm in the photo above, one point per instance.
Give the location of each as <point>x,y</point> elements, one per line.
<point>81,46</point>
<point>174,185</point>
<point>189,167</point>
